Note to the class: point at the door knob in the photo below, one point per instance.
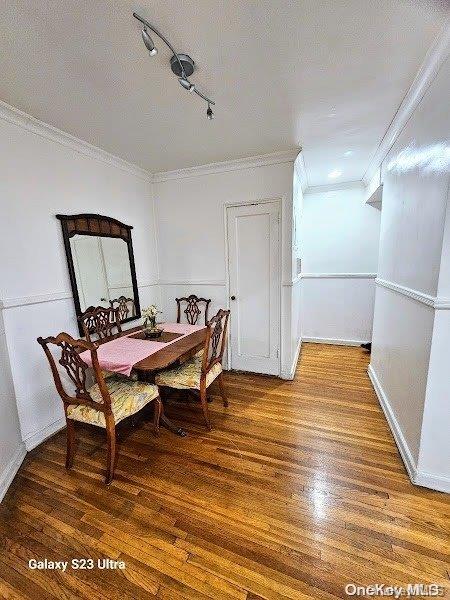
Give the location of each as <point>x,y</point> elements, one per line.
<point>233,297</point>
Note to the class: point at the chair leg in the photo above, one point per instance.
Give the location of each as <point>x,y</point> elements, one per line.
<point>159,409</point>
<point>70,453</point>
<point>222,390</point>
<point>204,402</point>
<point>111,449</point>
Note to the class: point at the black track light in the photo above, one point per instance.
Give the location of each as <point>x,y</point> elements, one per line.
<point>209,113</point>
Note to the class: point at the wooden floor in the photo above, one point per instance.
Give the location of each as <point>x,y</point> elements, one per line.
<point>297,491</point>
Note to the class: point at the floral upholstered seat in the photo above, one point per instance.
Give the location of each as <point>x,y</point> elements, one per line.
<point>187,375</point>
<point>127,398</point>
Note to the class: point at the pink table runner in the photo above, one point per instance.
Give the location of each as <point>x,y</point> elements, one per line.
<point>121,354</point>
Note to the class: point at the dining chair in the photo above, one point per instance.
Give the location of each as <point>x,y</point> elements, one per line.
<point>193,308</point>
<point>101,321</point>
<point>200,371</point>
<point>125,305</point>
<point>104,404</point>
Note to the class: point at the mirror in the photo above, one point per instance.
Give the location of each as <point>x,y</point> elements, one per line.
<point>101,264</point>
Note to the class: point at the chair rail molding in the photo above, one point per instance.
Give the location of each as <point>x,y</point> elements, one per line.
<point>337,275</point>
<point>263,160</point>
<point>434,59</point>
<point>436,302</point>
<point>36,299</point>
<point>21,119</point>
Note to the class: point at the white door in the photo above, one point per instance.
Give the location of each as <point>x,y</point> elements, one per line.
<point>254,286</point>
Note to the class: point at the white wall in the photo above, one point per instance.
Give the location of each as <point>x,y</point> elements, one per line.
<point>40,178</point>
<point>191,234</point>
<point>410,326</point>
<point>339,251</point>
<point>12,449</point>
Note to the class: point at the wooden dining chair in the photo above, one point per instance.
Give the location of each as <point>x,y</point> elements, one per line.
<point>193,308</point>
<point>104,404</point>
<point>125,305</point>
<point>199,372</point>
<point>100,321</point>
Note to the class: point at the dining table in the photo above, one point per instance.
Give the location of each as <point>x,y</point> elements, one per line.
<point>177,344</point>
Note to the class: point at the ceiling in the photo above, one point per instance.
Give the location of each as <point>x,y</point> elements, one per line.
<point>324,74</point>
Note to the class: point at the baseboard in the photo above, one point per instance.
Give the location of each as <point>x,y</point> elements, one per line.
<point>10,471</point>
<point>334,341</point>
<point>435,482</point>
<point>402,446</point>
<point>289,375</point>
<point>40,436</point>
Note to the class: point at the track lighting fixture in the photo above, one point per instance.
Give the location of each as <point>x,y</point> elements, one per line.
<point>182,65</point>
<point>148,42</point>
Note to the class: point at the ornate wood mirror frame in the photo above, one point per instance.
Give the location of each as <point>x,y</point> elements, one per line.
<point>100,226</point>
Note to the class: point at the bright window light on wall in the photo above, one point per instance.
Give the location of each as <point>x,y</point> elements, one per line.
<point>334,174</point>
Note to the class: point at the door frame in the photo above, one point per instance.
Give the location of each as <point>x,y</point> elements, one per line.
<point>279,200</point>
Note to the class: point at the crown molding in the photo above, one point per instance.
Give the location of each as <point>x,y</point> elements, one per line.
<point>435,57</point>
<point>275,158</point>
<point>335,187</point>
<point>21,119</point>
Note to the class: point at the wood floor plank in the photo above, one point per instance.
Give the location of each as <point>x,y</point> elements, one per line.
<point>298,490</point>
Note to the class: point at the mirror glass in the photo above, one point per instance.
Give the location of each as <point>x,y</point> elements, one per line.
<point>102,272</point>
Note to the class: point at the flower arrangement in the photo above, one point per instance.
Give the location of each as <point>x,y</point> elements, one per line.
<point>149,315</point>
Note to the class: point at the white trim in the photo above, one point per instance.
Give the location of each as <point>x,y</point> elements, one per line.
<point>334,187</point>
<point>433,301</point>
<point>430,480</point>
<point>337,275</point>
<point>434,59</point>
<point>289,375</point>
<point>250,162</point>
<point>300,168</point>
<point>193,282</point>
<point>402,445</point>
<point>144,285</point>
<point>21,119</point>
<point>34,439</point>
<point>442,303</point>
<point>292,283</point>
<point>334,341</point>
<point>11,469</point>
<point>38,299</point>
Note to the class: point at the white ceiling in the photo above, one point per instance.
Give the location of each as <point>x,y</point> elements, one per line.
<point>324,74</point>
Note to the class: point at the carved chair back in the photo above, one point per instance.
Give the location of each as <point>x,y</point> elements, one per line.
<point>125,306</point>
<point>101,321</point>
<point>216,337</point>
<point>193,308</point>
<point>69,349</point>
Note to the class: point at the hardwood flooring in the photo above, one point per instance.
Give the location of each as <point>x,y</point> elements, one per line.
<point>297,491</point>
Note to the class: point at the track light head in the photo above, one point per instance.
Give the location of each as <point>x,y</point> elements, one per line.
<point>190,87</point>
<point>148,42</point>
<point>209,113</point>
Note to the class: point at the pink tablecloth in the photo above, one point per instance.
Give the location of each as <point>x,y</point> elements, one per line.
<point>121,354</point>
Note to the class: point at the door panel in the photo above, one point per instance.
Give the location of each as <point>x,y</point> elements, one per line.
<point>254,281</point>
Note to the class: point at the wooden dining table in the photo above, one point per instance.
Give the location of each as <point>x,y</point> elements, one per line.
<point>177,352</point>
